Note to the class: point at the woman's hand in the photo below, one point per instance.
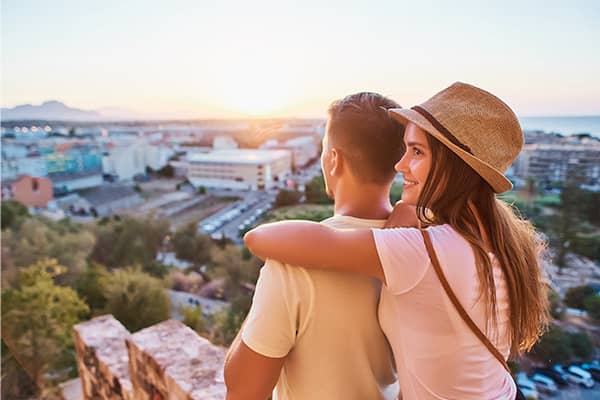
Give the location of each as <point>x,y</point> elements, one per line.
<point>403,216</point>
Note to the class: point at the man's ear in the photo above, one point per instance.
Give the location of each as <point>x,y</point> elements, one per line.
<point>336,162</point>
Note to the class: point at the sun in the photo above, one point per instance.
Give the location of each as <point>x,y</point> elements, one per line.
<point>257,91</point>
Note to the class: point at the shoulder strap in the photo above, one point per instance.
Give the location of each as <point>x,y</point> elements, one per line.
<point>457,305</point>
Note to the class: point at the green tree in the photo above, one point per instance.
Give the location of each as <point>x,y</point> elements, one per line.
<point>37,318</point>
<point>12,214</point>
<point>581,344</point>
<point>287,198</point>
<point>315,191</point>
<point>575,296</point>
<point>556,308</point>
<point>89,287</point>
<point>167,171</point>
<point>592,306</point>
<point>192,317</point>
<point>192,246</point>
<point>395,192</point>
<point>553,347</point>
<point>129,241</point>
<point>135,298</point>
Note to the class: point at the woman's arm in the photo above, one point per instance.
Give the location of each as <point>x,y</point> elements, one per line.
<point>314,245</point>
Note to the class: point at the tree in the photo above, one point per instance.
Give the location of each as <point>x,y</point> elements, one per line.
<point>135,298</point>
<point>592,306</point>
<point>13,213</point>
<point>395,192</point>
<point>37,318</point>
<point>287,198</point>
<point>39,238</point>
<point>192,317</point>
<point>575,296</point>
<point>89,287</point>
<point>129,241</point>
<point>553,347</point>
<point>556,308</point>
<point>167,171</point>
<point>581,344</point>
<point>192,246</point>
<point>315,191</point>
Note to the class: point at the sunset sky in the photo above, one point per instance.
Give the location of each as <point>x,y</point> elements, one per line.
<point>213,59</point>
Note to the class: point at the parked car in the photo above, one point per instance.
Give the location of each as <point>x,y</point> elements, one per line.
<point>527,386</point>
<point>579,376</point>
<point>593,369</point>
<point>560,378</point>
<point>544,383</point>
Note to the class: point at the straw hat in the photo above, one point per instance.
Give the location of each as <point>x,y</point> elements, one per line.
<point>476,125</point>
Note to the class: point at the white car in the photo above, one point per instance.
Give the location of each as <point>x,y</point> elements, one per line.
<point>544,384</point>
<point>580,376</point>
<point>527,386</point>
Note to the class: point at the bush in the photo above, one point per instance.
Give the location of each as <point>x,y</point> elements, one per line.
<point>287,198</point>
<point>576,296</point>
<point>592,306</point>
<point>315,191</point>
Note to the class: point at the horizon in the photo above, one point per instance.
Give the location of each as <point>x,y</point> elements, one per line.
<point>214,60</point>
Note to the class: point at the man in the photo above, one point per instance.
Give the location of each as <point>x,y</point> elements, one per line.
<point>314,334</point>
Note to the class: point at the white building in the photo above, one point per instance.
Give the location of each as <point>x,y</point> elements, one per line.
<point>303,149</point>
<point>224,143</point>
<point>243,169</point>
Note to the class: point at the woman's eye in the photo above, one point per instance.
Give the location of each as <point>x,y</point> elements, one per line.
<point>416,151</point>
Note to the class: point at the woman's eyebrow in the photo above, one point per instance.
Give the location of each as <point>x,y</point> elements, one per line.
<point>415,144</point>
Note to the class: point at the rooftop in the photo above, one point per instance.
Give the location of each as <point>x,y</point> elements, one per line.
<point>238,156</point>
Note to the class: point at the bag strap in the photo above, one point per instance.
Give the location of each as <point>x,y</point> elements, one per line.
<point>457,305</point>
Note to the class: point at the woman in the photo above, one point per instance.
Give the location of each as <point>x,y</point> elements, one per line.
<point>458,144</point>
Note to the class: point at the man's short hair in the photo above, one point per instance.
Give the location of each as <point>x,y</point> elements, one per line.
<point>368,138</point>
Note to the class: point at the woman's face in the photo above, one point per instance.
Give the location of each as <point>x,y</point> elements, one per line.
<point>415,163</point>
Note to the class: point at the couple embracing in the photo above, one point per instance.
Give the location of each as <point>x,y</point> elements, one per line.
<point>423,300</point>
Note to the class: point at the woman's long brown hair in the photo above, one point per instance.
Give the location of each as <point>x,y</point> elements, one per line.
<point>455,193</point>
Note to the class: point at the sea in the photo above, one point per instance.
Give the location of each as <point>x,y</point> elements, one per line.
<point>563,125</point>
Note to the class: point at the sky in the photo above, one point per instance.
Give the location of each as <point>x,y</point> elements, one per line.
<point>218,59</point>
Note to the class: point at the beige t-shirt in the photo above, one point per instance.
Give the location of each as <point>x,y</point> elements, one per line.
<point>326,324</point>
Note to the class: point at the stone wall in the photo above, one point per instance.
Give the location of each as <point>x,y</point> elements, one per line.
<point>165,361</point>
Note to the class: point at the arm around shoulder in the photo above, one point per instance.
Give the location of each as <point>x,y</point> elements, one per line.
<point>314,245</point>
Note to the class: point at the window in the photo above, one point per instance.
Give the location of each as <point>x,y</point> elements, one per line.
<point>35,185</point>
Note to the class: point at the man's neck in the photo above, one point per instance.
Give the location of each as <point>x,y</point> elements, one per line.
<point>371,202</point>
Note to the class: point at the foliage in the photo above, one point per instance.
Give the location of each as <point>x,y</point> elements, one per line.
<point>192,246</point>
<point>554,347</point>
<point>556,309</point>
<point>135,298</point>
<point>37,318</point>
<point>592,306</point>
<point>395,192</point>
<point>581,344</point>
<point>39,238</point>
<point>129,241</point>
<point>229,263</point>
<point>315,191</point>
<point>228,322</point>
<point>16,384</point>
<point>192,317</point>
<point>167,171</point>
<point>89,287</point>
<point>287,198</point>
<point>310,212</point>
<point>13,213</point>
<point>576,296</point>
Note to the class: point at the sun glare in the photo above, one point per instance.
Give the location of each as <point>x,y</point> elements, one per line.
<point>257,91</point>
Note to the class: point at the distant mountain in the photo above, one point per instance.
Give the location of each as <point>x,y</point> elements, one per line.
<point>56,111</point>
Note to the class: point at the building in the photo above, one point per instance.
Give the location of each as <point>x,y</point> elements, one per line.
<point>67,182</point>
<point>106,200</point>
<point>304,149</point>
<point>32,191</point>
<point>553,162</point>
<point>243,169</point>
<point>224,143</point>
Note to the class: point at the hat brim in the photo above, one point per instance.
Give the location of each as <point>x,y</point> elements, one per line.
<point>491,175</point>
